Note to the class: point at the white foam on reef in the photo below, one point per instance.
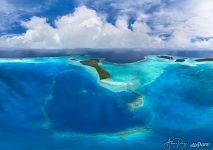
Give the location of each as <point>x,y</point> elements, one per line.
<point>113,85</point>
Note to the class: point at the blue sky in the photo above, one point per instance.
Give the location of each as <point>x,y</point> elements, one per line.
<point>148,24</point>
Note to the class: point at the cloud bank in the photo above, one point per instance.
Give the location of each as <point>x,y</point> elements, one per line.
<point>187,25</point>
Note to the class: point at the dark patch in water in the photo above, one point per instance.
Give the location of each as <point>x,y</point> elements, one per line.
<point>1,107</point>
<point>10,82</point>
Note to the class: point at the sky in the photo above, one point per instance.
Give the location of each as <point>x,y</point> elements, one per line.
<point>69,24</point>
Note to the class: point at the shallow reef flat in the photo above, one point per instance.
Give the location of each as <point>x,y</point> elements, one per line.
<point>132,131</point>
<point>136,103</point>
<point>131,76</point>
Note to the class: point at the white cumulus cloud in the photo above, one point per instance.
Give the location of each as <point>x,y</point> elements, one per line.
<point>85,28</point>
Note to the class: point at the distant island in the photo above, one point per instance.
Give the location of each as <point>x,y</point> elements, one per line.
<point>204,59</point>
<point>171,58</point>
<point>180,60</point>
<point>165,57</point>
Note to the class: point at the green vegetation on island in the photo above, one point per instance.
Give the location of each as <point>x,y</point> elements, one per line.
<point>166,57</point>
<point>204,59</point>
<point>180,60</point>
<point>103,74</point>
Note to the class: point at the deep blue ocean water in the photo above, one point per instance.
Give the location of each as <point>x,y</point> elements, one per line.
<point>54,104</point>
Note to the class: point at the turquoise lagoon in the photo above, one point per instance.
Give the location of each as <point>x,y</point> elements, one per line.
<point>56,103</point>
